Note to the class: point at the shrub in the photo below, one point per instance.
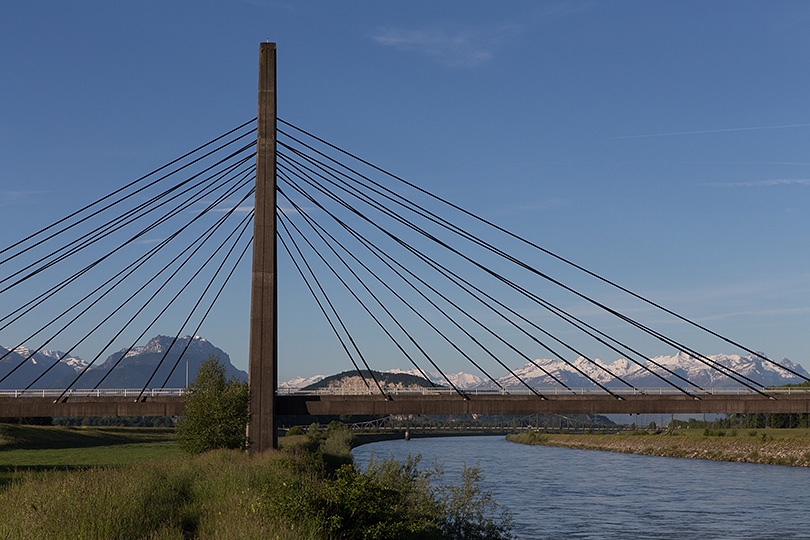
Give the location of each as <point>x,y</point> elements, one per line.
<point>232,495</point>
<point>468,512</point>
<point>216,412</point>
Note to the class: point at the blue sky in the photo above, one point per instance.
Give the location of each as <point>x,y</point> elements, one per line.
<point>662,145</point>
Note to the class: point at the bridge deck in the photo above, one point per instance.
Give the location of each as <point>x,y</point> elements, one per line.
<point>18,407</point>
<point>335,404</point>
<point>530,404</point>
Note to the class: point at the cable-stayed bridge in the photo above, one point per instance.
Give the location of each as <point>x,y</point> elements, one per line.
<point>394,272</point>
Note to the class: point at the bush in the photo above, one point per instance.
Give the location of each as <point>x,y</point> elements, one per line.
<point>216,412</point>
<point>468,512</point>
<point>229,494</point>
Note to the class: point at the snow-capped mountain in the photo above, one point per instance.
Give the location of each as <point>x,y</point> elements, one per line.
<point>136,366</point>
<point>698,371</point>
<point>133,370</point>
<point>73,361</point>
<point>297,383</point>
<point>460,380</point>
<point>21,366</point>
<point>705,373</point>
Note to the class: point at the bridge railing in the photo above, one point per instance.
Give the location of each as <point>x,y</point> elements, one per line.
<point>427,391</point>
<point>551,391</point>
<point>109,392</point>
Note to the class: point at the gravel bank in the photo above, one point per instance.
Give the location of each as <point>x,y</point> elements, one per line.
<point>745,447</point>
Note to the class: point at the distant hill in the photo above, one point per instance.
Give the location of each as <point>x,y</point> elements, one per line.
<point>352,381</point>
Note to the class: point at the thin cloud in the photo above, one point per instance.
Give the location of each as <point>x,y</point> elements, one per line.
<point>763,183</point>
<point>235,210</point>
<point>13,196</point>
<point>469,46</point>
<point>756,313</point>
<point>705,131</point>
<point>461,47</point>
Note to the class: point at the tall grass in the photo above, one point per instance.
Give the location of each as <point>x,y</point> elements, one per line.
<point>310,491</point>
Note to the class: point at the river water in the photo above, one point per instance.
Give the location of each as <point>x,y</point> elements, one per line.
<point>560,493</point>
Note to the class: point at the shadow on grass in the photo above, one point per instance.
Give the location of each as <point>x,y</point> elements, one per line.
<point>17,437</point>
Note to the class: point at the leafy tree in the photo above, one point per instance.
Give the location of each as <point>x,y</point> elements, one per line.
<point>216,412</point>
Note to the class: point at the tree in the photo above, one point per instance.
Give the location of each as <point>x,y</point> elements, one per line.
<point>216,412</point>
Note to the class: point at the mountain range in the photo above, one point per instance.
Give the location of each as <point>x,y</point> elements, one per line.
<point>54,370</point>
<point>698,371</point>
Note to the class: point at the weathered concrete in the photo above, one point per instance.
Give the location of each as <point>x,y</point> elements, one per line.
<point>263,351</point>
<point>527,404</point>
<point>11,407</point>
<point>421,404</point>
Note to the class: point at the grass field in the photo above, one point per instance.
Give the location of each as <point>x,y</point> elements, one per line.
<point>40,448</point>
<point>67,483</point>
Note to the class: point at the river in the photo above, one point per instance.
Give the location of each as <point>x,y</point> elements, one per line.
<point>560,493</point>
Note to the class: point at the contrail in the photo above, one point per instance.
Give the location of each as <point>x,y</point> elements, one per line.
<point>726,130</point>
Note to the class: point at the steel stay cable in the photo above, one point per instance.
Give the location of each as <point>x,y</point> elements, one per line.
<point>210,307</point>
<point>323,292</point>
<point>100,324</point>
<point>301,212</point>
<point>115,227</point>
<point>494,274</point>
<point>559,312</point>
<point>435,306</point>
<point>312,223</point>
<point>368,290</point>
<point>382,256</point>
<point>244,224</point>
<point>211,229</point>
<point>449,341</point>
<point>323,310</point>
<point>710,363</point>
<point>129,270</point>
<point>175,297</point>
<point>531,244</point>
<point>378,206</point>
<point>431,262</point>
<point>390,213</point>
<point>108,291</point>
<point>119,190</point>
<point>116,224</point>
<point>56,288</point>
<point>632,351</point>
<point>78,274</point>
<point>365,198</point>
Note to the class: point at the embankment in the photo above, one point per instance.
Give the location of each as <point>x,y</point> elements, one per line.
<point>773,447</point>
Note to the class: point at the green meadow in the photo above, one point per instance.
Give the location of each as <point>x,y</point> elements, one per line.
<point>42,448</point>
<point>68,483</point>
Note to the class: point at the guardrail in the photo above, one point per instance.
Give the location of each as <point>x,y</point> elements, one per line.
<point>111,392</point>
<point>427,391</point>
<point>551,391</point>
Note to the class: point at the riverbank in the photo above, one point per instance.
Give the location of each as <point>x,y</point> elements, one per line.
<point>361,438</point>
<point>312,490</point>
<point>766,446</point>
